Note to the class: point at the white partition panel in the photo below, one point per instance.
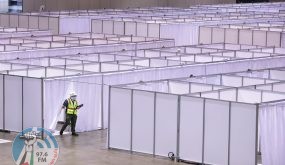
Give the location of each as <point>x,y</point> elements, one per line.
<point>1,102</point>
<point>216,132</point>
<point>231,36</point>
<point>273,39</point>
<point>229,94</point>
<point>243,134</point>
<point>143,122</point>
<point>130,28</point>
<point>13,103</point>
<point>249,96</point>
<point>119,28</point>
<point>32,107</point>
<point>259,38</point>
<point>23,21</point>
<point>218,35</point>
<point>205,35</point>
<point>277,74</point>
<point>4,20</point>
<point>43,22</point>
<point>33,22</point>
<point>178,87</point>
<point>165,124</point>
<point>269,96</point>
<point>14,21</point>
<point>279,87</point>
<point>247,81</point>
<point>231,81</point>
<point>245,37</point>
<point>120,119</point>
<point>142,29</point>
<point>199,88</point>
<point>108,27</point>
<point>97,26</point>
<point>153,30</point>
<point>191,129</point>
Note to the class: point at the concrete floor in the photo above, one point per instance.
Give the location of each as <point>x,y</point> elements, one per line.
<point>88,148</point>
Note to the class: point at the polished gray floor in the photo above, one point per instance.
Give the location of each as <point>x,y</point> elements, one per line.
<point>89,149</point>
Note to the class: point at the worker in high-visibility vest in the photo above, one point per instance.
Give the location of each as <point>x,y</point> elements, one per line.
<point>71,106</point>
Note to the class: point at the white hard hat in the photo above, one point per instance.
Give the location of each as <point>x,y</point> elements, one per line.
<point>72,94</point>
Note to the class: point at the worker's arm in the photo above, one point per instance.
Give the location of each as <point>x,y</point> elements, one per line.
<point>64,105</point>
<point>79,106</point>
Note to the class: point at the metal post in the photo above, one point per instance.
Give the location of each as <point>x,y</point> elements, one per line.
<point>256,133</point>
<point>22,103</point>
<point>42,108</point>
<point>203,144</point>
<point>154,123</point>
<point>3,102</point>
<point>132,109</point>
<point>102,102</point>
<point>109,116</point>
<point>178,128</point>
<point>229,138</point>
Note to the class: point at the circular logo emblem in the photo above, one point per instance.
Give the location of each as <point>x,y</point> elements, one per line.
<point>35,146</point>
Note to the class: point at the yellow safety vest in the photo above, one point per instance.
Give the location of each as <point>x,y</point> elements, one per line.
<point>72,107</point>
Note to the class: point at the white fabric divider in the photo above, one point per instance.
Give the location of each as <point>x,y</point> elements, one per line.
<point>142,131</point>
<point>247,81</point>
<point>233,81</point>
<point>158,63</point>
<point>54,72</point>
<point>277,74</point>
<point>243,129</point>
<point>279,87</point>
<point>191,135</point>
<point>231,36</point>
<point>13,103</point>
<point>105,67</point>
<point>74,25</point>
<point>120,119</point>
<point>119,27</point>
<point>108,27</point>
<point>211,95</point>
<point>273,39</point>
<point>142,29</point>
<point>264,87</point>
<point>272,128</point>
<point>216,132</point>
<point>1,102</point>
<point>190,32</point>
<point>259,37</point>
<point>97,26</point>
<point>130,28</point>
<point>228,94</point>
<point>270,96</point>
<point>205,35</point>
<point>32,103</point>
<point>200,87</point>
<point>92,67</point>
<point>154,31</point>
<point>178,87</point>
<point>249,96</point>
<point>245,37</point>
<point>89,94</point>
<point>165,124</point>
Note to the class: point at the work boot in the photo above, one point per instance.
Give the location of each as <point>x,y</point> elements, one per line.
<point>74,134</point>
<point>60,132</point>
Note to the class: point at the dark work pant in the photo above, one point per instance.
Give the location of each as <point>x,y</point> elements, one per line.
<point>70,119</point>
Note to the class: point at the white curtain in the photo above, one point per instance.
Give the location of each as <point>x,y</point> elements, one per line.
<point>272,132</point>
<point>88,90</point>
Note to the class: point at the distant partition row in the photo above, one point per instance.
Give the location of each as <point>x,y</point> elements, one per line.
<point>209,35</point>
